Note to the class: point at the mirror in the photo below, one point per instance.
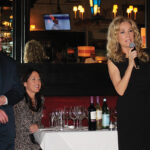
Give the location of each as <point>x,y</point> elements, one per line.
<point>85,29</point>
<point>6,27</point>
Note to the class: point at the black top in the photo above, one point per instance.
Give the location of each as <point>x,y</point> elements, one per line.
<point>140,78</point>
<point>133,106</point>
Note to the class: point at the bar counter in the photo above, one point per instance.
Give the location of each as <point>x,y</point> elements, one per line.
<point>73,79</point>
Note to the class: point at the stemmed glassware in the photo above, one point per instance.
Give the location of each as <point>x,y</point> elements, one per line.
<point>66,114</point>
<point>57,119</point>
<point>86,112</point>
<point>79,116</point>
<point>60,117</point>
<point>52,119</point>
<point>83,114</point>
<point>113,117</point>
<point>72,115</point>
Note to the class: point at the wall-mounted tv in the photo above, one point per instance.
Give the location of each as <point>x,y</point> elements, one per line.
<point>57,22</point>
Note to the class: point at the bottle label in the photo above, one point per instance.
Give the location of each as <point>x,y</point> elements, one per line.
<point>105,120</point>
<point>93,116</point>
<point>98,114</point>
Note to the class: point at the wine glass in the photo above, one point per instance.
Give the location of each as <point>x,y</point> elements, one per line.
<point>80,115</point>
<point>52,119</point>
<point>85,111</point>
<point>60,119</point>
<point>72,115</point>
<point>113,117</point>
<point>66,113</point>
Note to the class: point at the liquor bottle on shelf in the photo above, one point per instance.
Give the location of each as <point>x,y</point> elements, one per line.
<point>91,115</point>
<point>105,115</point>
<point>98,114</point>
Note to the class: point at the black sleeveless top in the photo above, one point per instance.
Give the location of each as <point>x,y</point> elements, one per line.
<point>135,102</point>
<point>140,78</point>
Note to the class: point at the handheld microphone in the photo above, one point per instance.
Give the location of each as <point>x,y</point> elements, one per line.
<point>136,60</point>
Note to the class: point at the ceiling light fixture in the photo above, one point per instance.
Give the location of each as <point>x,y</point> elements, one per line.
<point>95,6</point>
<point>115,8</point>
<point>131,9</point>
<point>81,10</point>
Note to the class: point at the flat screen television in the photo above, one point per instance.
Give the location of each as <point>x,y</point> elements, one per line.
<point>57,22</point>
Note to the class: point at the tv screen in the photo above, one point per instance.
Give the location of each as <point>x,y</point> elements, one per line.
<point>57,22</point>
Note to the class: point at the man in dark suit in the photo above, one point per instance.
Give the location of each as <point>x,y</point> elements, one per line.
<point>11,92</point>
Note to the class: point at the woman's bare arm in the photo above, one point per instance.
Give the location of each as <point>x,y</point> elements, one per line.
<point>119,83</point>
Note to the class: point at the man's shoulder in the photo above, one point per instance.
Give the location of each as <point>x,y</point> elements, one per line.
<point>6,58</point>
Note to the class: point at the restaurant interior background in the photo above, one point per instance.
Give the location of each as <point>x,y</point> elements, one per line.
<point>86,29</point>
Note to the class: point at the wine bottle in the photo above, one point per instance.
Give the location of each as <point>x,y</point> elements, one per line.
<point>91,115</point>
<point>98,114</point>
<point>105,115</point>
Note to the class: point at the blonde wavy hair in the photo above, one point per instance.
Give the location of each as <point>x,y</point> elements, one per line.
<point>34,52</point>
<point>114,51</point>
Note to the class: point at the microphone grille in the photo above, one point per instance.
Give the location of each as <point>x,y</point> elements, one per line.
<point>132,45</point>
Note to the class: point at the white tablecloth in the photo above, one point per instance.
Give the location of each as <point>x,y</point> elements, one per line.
<point>77,140</point>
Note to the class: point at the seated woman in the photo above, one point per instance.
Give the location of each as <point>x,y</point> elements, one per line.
<point>34,52</point>
<point>91,59</point>
<point>28,112</point>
